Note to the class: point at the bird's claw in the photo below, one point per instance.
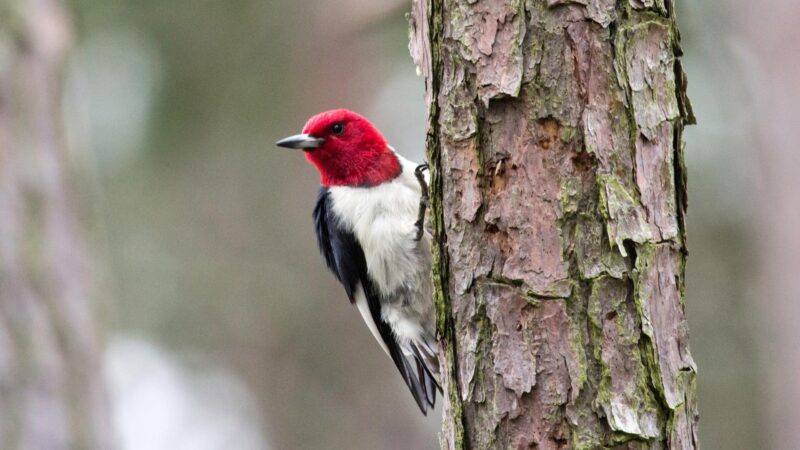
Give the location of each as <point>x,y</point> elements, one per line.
<point>423,201</point>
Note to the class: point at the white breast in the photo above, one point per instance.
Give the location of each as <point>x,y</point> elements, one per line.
<point>382,219</point>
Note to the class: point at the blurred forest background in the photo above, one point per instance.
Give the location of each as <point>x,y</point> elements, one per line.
<point>223,328</point>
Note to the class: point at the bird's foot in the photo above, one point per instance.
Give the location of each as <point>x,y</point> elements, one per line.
<point>423,201</point>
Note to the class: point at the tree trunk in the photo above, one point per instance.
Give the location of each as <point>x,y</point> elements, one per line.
<point>773,116</point>
<point>51,391</point>
<point>558,201</point>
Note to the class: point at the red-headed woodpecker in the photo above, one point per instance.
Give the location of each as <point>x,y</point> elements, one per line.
<point>369,224</point>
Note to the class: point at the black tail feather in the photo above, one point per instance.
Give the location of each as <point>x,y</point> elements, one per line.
<point>414,385</point>
<point>426,378</point>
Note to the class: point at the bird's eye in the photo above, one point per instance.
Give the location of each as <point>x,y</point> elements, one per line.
<point>337,128</point>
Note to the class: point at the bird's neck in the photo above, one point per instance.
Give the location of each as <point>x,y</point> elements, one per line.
<point>364,170</point>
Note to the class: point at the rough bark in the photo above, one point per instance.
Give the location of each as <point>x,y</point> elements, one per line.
<point>51,393</point>
<point>558,201</point>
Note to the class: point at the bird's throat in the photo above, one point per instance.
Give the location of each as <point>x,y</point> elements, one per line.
<point>363,170</point>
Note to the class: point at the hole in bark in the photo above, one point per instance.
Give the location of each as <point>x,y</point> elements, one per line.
<point>550,128</point>
<point>630,249</point>
<point>611,315</point>
<point>561,442</point>
<point>499,176</point>
<point>584,161</point>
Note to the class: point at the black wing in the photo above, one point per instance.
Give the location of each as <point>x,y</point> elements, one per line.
<point>345,258</point>
<point>342,252</point>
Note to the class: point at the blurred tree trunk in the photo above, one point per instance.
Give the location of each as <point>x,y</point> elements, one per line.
<point>775,112</point>
<point>51,391</point>
<point>558,201</point>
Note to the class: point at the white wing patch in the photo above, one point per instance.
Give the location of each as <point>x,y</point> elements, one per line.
<point>363,308</point>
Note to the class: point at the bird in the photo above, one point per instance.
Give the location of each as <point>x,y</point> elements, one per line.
<point>369,221</point>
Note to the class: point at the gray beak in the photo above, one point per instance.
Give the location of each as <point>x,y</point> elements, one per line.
<point>300,141</point>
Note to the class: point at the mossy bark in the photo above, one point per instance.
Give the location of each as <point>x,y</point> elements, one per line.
<point>51,391</point>
<point>558,202</point>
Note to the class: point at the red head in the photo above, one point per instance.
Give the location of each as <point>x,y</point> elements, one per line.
<point>346,149</point>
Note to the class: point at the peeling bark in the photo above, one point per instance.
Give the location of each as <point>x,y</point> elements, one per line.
<point>558,202</point>
<point>51,391</point>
